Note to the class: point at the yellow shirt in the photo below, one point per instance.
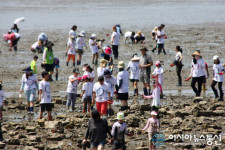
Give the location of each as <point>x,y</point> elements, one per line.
<point>33,66</point>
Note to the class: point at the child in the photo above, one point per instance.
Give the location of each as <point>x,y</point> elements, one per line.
<point>111,81</point>
<point>37,47</point>
<point>45,96</point>
<point>86,93</point>
<point>80,44</point>
<point>217,78</point>
<point>2,99</point>
<point>72,89</point>
<point>56,66</point>
<point>158,72</point>
<point>107,52</point>
<point>152,127</point>
<point>100,92</point>
<point>102,67</point>
<point>90,72</point>
<point>94,49</point>
<point>119,129</point>
<point>71,51</point>
<point>29,85</point>
<point>33,64</point>
<point>155,94</point>
<point>204,81</point>
<point>134,74</point>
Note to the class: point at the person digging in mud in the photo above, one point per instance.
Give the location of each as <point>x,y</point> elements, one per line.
<point>45,96</point>
<point>139,38</point>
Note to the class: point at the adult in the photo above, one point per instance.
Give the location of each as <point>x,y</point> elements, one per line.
<point>122,85</point>
<point>178,63</point>
<point>94,48</point>
<point>217,78</point>
<point>72,32</point>
<point>160,40</point>
<point>115,40</point>
<point>48,59</point>
<point>139,37</point>
<point>37,47</point>
<point>29,85</point>
<point>43,38</point>
<point>129,35</point>
<point>198,72</point>
<point>154,37</point>
<point>97,131</point>
<point>80,44</point>
<point>145,70</point>
<point>13,39</point>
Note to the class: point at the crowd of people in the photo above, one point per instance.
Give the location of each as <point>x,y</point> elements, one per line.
<point>103,92</point>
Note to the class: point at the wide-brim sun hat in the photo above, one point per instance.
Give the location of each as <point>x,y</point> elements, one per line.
<point>196,54</point>
<point>108,50</point>
<point>154,113</point>
<point>135,58</point>
<point>103,62</point>
<point>121,64</point>
<point>157,63</point>
<point>215,57</point>
<point>120,116</point>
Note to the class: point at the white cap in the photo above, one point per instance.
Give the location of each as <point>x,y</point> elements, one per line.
<point>82,33</point>
<point>93,36</point>
<point>215,57</point>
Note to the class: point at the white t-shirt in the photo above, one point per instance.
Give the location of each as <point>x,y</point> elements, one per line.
<point>30,82</point>
<point>17,35</point>
<point>71,32</point>
<point>116,40</point>
<point>198,68</point>
<point>124,75</point>
<point>161,39</point>
<point>2,97</point>
<point>177,56</point>
<point>134,67</point>
<point>121,128</point>
<point>160,72</point>
<point>88,90</point>
<point>128,34</point>
<point>80,43</point>
<point>72,86</point>
<point>100,71</point>
<point>71,45</point>
<point>90,74</point>
<point>35,45</point>
<point>156,96</point>
<point>46,92</point>
<point>111,82</point>
<point>101,91</point>
<point>94,48</point>
<point>136,35</point>
<point>218,68</point>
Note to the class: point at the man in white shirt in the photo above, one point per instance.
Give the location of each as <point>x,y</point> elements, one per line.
<point>45,96</point>
<point>115,40</point>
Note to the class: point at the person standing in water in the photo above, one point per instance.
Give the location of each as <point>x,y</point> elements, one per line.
<point>198,72</point>
<point>218,72</point>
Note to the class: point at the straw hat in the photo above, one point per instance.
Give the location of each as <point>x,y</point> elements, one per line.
<point>153,113</point>
<point>135,58</point>
<point>215,57</point>
<point>155,29</point>
<point>103,62</point>
<point>121,64</point>
<point>120,116</point>
<point>139,33</point>
<point>196,53</point>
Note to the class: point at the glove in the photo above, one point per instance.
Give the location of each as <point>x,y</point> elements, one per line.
<point>165,37</point>
<point>65,54</point>
<point>79,78</point>
<point>154,76</point>
<point>188,79</point>
<point>221,73</point>
<point>172,65</point>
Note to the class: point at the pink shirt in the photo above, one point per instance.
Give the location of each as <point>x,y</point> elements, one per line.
<point>150,126</point>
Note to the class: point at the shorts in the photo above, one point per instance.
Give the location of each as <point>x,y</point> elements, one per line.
<point>14,42</point>
<point>134,80</point>
<point>94,51</point>
<point>96,144</point>
<point>102,107</point>
<point>80,51</point>
<point>71,56</point>
<point>204,80</point>
<point>160,46</point>
<point>87,99</point>
<point>30,95</point>
<point>145,78</point>
<point>49,67</point>
<point>46,107</point>
<point>123,96</point>
<point>119,145</point>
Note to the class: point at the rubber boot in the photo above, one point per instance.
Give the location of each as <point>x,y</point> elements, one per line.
<point>15,48</point>
<point>96,62</point>
<point>149,92</point>
<point>31,109</point>
<point>77,62</point>
<point>164,51</point>
<point>145,91</point>
<point>50,78</point>
<point>28,109</point>
<point>137,93</point>
<point>1,115</point>
<point>93,62</point>
<point>67,64</point>
<point>153,50</point>
<point>134,92</point>
<point>221,98</point>
<point>73,64</point>
<point>122,108</point>
<point>56,76</point>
